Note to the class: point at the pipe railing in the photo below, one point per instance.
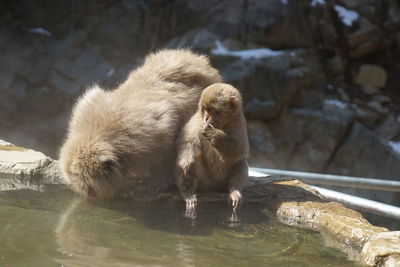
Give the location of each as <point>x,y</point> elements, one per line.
<point>360,203</point>
<point>350,200</point>
<point>336,180</point>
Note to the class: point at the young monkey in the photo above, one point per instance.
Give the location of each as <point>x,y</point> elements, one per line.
<point>213,147</point>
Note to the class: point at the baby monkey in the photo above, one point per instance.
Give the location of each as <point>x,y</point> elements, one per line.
<point>213,147</point>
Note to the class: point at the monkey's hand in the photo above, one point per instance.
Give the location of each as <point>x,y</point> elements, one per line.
<point>212,134</point>
<point>236,198</point>
<point>191,206</point>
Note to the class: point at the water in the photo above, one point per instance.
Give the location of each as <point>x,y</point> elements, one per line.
<point>57,228</point>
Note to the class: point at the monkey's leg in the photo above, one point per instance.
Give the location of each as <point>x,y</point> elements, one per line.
<point>187,184</point>
<point>237,181</point>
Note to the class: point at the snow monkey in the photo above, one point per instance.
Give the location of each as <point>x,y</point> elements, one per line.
<point>213,147</point>
<point>125,139</point>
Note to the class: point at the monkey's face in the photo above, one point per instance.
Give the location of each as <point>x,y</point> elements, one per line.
<point>219,105</point>
<point>89,169</point>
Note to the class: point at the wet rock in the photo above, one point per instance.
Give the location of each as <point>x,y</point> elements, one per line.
<point>345,225</point>
<point>382,249</point>
<point>297,204</point>
<point>371,78</point>
<point>25,168</point>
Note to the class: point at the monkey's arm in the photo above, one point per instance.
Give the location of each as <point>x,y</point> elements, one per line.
<point>237,181</point>
<point>189,171</point>
<point>229,146</point>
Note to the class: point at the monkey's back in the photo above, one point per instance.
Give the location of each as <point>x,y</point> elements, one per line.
<point>135,125</point>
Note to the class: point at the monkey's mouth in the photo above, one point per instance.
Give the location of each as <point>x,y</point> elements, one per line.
<point>208,119</point>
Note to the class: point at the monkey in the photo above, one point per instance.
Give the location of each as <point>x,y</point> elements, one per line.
<point>124,140</point>
<point>213,147</point>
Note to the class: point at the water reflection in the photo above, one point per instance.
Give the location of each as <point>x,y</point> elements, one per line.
<point>56,226</point>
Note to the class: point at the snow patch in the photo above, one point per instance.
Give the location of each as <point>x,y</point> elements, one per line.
<point>257,174</point>
<point>40,31</point>
<point>395,146</point>
<point>221,50</point>
<point>337,103</point>
<point>398,118</point>
<point>284,2</point>
<point>317,2</point>
<point>347,16</point>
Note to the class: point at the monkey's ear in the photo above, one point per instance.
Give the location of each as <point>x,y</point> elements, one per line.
<point>233,102</point>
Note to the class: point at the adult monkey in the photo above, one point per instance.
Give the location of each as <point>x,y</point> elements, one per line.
<point>125,138</point>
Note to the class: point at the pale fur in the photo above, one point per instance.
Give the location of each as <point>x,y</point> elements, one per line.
<point>206,166</point>
<point>124,139</point>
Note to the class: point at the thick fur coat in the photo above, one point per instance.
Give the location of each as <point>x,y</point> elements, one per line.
<point>125,139</point>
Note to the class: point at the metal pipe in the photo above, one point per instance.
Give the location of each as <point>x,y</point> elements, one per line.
<point>336,180</point>
<point>360,203</point>
<point>352,201</point>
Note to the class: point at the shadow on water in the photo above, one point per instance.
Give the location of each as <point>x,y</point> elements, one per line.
<point>57,227</point>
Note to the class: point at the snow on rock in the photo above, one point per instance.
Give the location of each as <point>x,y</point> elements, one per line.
<point>395,146</point>
<point>317,2</point>
<point>336,103</point>
<point>347,16</point>
<point>221,50</point>
<point>40,31</point>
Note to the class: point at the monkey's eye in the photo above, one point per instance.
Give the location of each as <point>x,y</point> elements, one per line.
<point>208,110</point>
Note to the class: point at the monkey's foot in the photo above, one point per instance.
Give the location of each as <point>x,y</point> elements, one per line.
<point>236,198</point>
<point>191,207</point>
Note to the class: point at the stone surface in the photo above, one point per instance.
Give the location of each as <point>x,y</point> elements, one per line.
<point>362,147</point>
<point>25,168</point>
<point>301,139</point>
<point>371,76</point>
<point>272,82</point>
<point>296,204</point>
<point>382,249</point>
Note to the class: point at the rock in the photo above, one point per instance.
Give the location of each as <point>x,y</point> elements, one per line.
<point>335,65</point>
<point>270,81</point>
<point>269,23</point>
<point>296,204</point>
<point>6,78</point>
<point>366,116</point>
<point>25,168</point>
<point>382,249</point>
<point>363,154</point>
<point>200,39</point>
<point>345,225</point>
<point>379,105</point>
<point>301,139</point>
<point>371,77</point>
<point>389,129</point>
